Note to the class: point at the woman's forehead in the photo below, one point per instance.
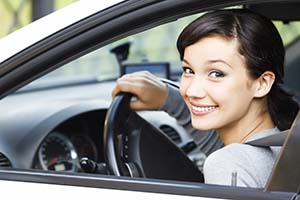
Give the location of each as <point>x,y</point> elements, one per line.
<point>213,48</point>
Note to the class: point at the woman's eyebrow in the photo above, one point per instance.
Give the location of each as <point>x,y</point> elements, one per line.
<point>210,62</point>
<point>185,61</point>
<point>219,60</point>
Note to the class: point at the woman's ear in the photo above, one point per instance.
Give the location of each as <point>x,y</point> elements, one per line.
<point>264,84</point>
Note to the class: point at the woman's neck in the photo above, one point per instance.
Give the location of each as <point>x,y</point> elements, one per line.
<point>239,132</point>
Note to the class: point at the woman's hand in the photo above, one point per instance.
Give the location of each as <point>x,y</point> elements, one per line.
<point>151,92</point>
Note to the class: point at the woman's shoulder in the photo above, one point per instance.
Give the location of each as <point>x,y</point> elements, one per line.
<point>243,159</point>
<point>226,154</point>
<point>243,152</point>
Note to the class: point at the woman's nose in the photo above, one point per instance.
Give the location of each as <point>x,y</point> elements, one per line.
<point>196,88</point>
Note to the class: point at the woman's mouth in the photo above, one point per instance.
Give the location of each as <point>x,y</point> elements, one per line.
<point>202,110</point>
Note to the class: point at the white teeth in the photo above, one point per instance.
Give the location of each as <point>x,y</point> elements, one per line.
<point>203,109</point>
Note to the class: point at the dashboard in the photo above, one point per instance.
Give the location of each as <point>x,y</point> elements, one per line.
<point>53,129</point>
<point>78,137</point>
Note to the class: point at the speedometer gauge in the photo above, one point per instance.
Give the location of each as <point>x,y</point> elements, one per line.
<point>57,153</point>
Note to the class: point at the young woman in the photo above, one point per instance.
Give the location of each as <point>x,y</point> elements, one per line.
<point>231,83</point>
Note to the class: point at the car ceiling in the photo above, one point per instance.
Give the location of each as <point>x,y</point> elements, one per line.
<point>283,11</point>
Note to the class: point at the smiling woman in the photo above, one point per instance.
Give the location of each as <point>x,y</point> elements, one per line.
<point>232,71</point>
<point>51,122</point>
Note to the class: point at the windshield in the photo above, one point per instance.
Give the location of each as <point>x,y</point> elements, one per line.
<point>155,45</point>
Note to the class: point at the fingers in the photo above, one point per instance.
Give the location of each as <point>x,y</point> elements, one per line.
<point>134,83</point>
<point>149,90</point>
<point>123,84</point>
<point>127,85</point>
<point>138,105</point>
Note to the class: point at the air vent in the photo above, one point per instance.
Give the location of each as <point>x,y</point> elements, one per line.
<point>171,133</point>
<point>4,161</point>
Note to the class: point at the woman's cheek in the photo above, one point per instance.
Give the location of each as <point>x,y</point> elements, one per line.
<point>183,86</point>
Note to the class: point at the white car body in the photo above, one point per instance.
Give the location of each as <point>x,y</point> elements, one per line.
<point>38,184</point>
<point>16,189</point>
<point>50,24</point>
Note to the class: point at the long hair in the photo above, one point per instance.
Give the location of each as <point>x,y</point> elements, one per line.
<point>260,44</point>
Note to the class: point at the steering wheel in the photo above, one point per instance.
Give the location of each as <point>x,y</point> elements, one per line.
<point>133,147</point>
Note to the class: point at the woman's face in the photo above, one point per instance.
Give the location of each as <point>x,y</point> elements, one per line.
<point>215,83</point>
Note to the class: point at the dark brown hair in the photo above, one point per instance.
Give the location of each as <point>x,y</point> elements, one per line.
<point>260,44</point>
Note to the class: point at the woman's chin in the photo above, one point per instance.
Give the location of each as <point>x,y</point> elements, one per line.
<point>202,126</point>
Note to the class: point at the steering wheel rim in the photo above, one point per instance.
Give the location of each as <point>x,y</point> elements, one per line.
<point>133,147</point>
<point>112,157</point>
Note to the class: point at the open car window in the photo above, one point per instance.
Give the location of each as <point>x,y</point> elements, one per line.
<point>82,87</point>
<point>156,45</point>
<point>151,46</point>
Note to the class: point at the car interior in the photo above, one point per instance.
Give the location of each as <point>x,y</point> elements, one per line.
<point>65,121</point>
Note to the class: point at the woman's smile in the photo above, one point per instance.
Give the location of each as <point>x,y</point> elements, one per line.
<point>200,110</point>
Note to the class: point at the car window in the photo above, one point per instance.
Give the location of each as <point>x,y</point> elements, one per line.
<point>157,45</point>
<point>289,31</point>
<point>154,45</point>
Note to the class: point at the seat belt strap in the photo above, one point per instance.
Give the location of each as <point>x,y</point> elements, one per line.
<point>271,140</point>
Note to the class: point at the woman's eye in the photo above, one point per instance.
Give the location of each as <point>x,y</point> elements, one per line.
<point>187,70</point>
<point>216,74</point>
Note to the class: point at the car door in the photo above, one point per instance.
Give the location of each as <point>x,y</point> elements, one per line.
<point>95,31</point>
